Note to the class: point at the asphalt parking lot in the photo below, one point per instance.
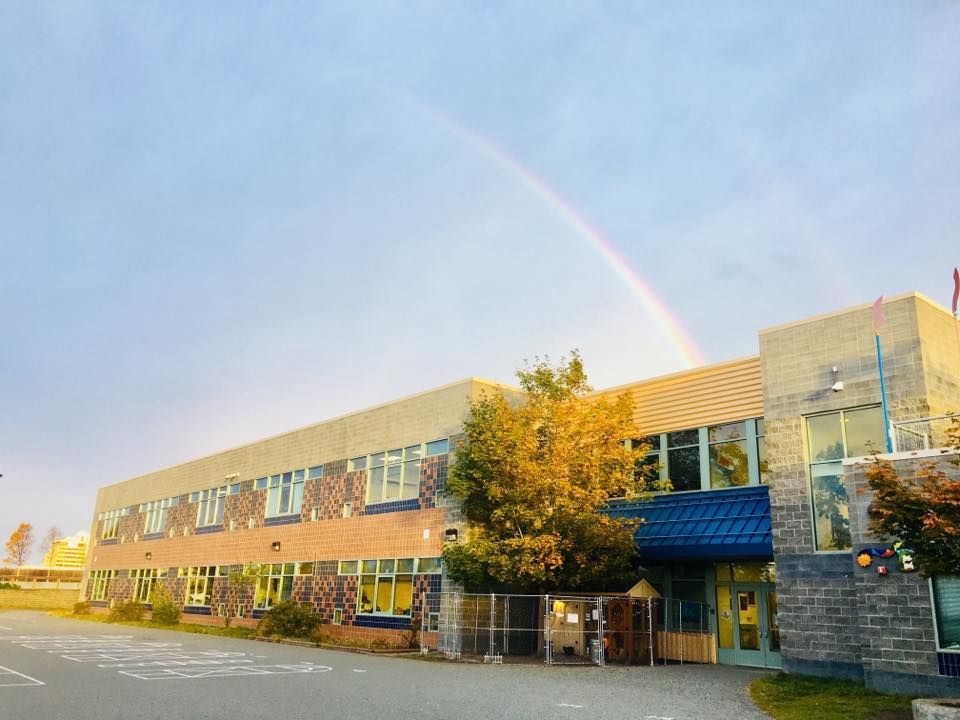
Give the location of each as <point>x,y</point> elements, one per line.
<point>62,669</point>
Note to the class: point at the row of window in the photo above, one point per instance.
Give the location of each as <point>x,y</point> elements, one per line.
<point>393,475</point>
<point>386,585</point>
<point>707,458</point>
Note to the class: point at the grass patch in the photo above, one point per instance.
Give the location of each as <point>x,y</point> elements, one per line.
<point>194,628</point>
<point>793,697</point>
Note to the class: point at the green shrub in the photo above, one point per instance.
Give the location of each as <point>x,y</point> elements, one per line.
<point>9,586</point>
<point>165,610</point>
<point>81,608</point>
<point>288,619</point>
<point>126,611</point>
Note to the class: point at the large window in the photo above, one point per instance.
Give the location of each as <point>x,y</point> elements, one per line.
<point>210,505</point>
<point>386,587</point>
<point>144,581</point>
<point>394,475</point>
<point>763,468</point>
<point>199,589</point>
<point>275,585</point>
<point>830,438</point>
<point>285,496</point>
<point>111,522</point>
<point>683,459</point>
<point>156,514</point>
<point>946,610</point>
<point>729,466</point>
<point>100,583</point>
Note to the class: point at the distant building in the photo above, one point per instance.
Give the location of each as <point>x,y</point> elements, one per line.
<point>68,552</point>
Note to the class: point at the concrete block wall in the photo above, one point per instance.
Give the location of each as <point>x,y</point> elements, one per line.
<point>894,611</point>
<point>819,595</point>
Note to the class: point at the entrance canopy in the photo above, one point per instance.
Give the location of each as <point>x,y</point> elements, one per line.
<point>717,524</point>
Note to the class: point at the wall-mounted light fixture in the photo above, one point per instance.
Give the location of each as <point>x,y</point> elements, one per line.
<point>450,535</point>
<point>275,546</point>
<point>149,556</point>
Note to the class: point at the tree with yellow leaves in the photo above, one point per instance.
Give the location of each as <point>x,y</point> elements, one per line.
<point>533,479</point>
<point>19,544</point>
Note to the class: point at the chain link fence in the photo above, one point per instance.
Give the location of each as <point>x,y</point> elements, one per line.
<point>570,629</point>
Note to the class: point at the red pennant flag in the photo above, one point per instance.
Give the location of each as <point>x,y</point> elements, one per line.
<point>878,316</point>
<point>956,289</point>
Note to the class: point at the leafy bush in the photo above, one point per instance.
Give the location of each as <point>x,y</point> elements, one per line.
<point>81,608</point>
<point>9,586</point>
<point>288,619</point>
<point>126,611</point>
<point>165,610</point>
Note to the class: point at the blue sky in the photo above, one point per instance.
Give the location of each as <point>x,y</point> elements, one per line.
<point>223,221</point>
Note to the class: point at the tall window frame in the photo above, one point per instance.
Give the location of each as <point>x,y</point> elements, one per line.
<point>199,585</point>
<point>155,520</point>
<point>386,587</point>
<point>144,582</point>
<point>111,522</point>
<point>827,444</point>
<point>210,505</point>
<point>945,601</point>
<point>284,493</point>
<point>100,583</point>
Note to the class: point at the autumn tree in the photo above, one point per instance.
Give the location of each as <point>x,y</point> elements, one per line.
<point>533,478</point>
<point>19,544</point>
<point>240,581</point>
<point>923,512</point>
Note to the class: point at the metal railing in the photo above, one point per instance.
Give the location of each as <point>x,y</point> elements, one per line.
<point>924,433</point>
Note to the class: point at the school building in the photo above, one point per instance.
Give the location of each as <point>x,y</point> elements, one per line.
<point>764,524</point>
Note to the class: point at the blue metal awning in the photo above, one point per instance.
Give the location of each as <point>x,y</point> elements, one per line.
<point>718,524</point>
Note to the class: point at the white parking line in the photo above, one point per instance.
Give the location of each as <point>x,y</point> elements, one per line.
<point>12,678</point>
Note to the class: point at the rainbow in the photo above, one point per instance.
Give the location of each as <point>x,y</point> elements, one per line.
<point>669,327</point>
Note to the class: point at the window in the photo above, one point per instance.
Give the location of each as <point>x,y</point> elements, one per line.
<point>762,450</point>
<point>357,463</point>
<point>156,512</point>
<point>144,582</point>
<point>728,455</point>
<point>386,587</point>
<point>285,496</point>
<point>111,522</point>
<point>348,567</point>
<point>274,586</point>
<point>100,583</point>
<point>438,447</point>
<point>394,475</point>
<point>830,438</point>
<point>210,508</point>
<point>648,467</point>
<point>946,611</point>
<point>683,459</point>
<point>315,472</point>
<point>428,566</point>
<point>199,585</point>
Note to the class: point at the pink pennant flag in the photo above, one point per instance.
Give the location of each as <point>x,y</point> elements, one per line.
<point>878,316</point>
<point>956,289</point>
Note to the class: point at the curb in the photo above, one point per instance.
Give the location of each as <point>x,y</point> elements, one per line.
<point>341,648</point>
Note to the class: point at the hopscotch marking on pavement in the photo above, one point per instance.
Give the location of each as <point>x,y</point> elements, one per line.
<point>146,660</point>
<point>12,678</point>
<point>232,671</point>
<point>358,670</point>
<point>569,705</point>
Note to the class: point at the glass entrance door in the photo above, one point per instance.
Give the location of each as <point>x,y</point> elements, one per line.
<point>748,632</point>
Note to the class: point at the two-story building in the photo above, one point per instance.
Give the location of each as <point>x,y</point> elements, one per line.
<point>766,517</point>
